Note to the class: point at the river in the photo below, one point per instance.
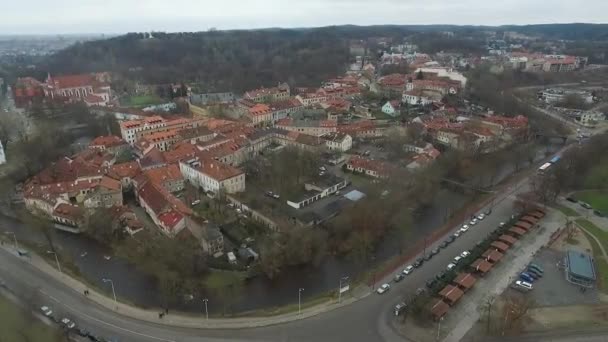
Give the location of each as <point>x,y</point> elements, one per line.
<point>259,292</point>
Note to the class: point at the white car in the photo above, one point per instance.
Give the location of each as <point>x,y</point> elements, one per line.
<point>69,324</point>
<point>383,288</point>
<point>456,233</point>
<point>481,217</point>
<point>464,228</point>
<point>523,285</point>
<point>465,254</point>
<point>451,266</point>
<point>502,224</point>
<point>473,222</point>
<point>46,311</point>
<point>408,270</point>
<point>456,260</point>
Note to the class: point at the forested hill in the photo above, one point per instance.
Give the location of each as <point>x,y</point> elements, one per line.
<point>220,60</point>
<point>239,60</point>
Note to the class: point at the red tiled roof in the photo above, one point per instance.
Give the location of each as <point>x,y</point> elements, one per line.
<point>68,211</point>
<point>439,309</point>
<point>508,239</point>
<point>217,170</point>
<point>180,151</point>
<point>170,218</point>
<point>124,170</point>
<point>501,246</point>
<point>481,265</point>
<point>110,184</point>
<point>159,175</point>
<point>517,231</point>
<point>465,280</point>
<point>492,255</point>
<point>107,141</point>
<point>451,293</point>
<point>93,99</point>
<point>74,81</point>
<point>382,168</point>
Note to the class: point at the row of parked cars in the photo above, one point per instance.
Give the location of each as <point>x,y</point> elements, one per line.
<point>70,325</point>
<point>585,205</point>
<point>401,307</point>
<point>526,278</point>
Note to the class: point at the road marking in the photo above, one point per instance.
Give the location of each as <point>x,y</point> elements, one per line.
<point>103,322</point>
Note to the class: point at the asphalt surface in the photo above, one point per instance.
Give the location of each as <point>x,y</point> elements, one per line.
<point>369,319</point>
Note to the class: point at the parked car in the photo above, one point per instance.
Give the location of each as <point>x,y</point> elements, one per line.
<point>428,256</point>
<point>450,239</point>
<point>598,213</point>
<point>465,254</point>
<point>536,267</point>
<point>440,275</point>
<point>408,270</point>
<point>420,291</point>
<point>46,311</point>
<point>431,282</point>
<point>526,277</point>
<point>400,308</point>
<point>418,262</point>
<point>534,272</point>
<point>473,222</point>
<point>444,244</point>
<point>456,259</point>
<point>501,224</point>
<point>522,286</point>
<point>398,277</point>
<point>451,266</point>
<point>481,217</point>
<point>532,275</point>
<point>464,228</point>
<point>585,205</point>
<point>571,199</point>
<point>383,288</point>
<point>456,234</point>
<point>435,251</point>
<point>68,324</point>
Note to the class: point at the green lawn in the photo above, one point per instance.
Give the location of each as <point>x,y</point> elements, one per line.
<point>597,199</point>
<point>142,100</point>
<point>566,211</point>
<point>595,230</point>
<point>600,263</point>
<point>18,326</point>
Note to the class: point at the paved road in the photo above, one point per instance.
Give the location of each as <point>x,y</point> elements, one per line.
<point>369,319</point>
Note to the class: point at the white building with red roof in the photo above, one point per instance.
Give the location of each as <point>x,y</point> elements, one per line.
<point>93,89</point>
<point>212,175</point>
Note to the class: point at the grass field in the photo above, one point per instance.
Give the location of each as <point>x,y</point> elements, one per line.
<point>17,326</point>
<point>597,199</point>
<point>566,211</point>
<point>142,100</point>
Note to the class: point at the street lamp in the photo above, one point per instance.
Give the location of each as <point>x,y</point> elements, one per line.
<point>106,280</point>
<point>340,289</point>
<point>14,237</point>
<point>206,311</point>
<point>300,300</point>
<point>56,260</point>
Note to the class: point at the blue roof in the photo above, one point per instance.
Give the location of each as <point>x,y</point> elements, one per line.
<point>355,195</point>
<point>581,265</point>
<point>555,159</point>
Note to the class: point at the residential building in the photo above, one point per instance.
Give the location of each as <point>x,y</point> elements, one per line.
<point>123,218</point>
<point>109,143</point>
<point>338,141</point>
<point>26,90</point>
<point>280,92</point>
<point>107,193</point>
<point>208,235</point>
<point>369,167</point>
<point>161,140</point>
<point>421,97</point>
<point>91,88</point>
<point>133,130</point>
<point>260,115</point>
<point>166,211</point>
<point>392,108</point>
<point>309,99</point>
<point>68,215</point>
<point>212,99</point>
<point>392,84</point>
<point>285,108</point>
<point>213,176</point>
<point>441,72</point>
<point>316,189</point>
<point>124,173</point>
<point>591,118</point>
<point>169,177</point>
<point>307,126</point>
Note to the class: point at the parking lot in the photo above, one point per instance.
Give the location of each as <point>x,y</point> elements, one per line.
<point>553,289</point>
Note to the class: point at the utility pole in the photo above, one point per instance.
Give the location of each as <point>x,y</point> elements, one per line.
<point>490,301</point>
<point>300,300</point>
<point>206,311</point>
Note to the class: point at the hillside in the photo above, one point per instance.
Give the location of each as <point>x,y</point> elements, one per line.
<point>239,60</point>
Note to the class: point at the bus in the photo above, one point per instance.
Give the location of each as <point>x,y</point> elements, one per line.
<point>544,168</point>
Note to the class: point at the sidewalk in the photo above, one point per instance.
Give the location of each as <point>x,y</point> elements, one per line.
<point>500,277</point>
<point>184,320</point>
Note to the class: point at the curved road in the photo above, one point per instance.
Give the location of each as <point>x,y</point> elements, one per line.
<point>369,319</point>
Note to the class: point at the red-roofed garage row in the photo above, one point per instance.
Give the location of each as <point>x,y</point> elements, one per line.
<point>518,232</point>
<point>508,239</point>
<point>500,246</point>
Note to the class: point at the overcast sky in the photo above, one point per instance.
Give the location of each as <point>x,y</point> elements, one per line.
<point>119,16</point>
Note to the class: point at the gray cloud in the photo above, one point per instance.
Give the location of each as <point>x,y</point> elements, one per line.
<point>118,16</point>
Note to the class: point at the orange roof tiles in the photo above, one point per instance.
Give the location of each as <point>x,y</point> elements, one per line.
<point>501,246</point>
<point>169,173</point>
<point>508,239</point>
<point>517,231</point>
<point>451,294</point>
<point>492,255</point>
<point>107,141</point>
<point>481,265</point>
<point>465,280</point>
